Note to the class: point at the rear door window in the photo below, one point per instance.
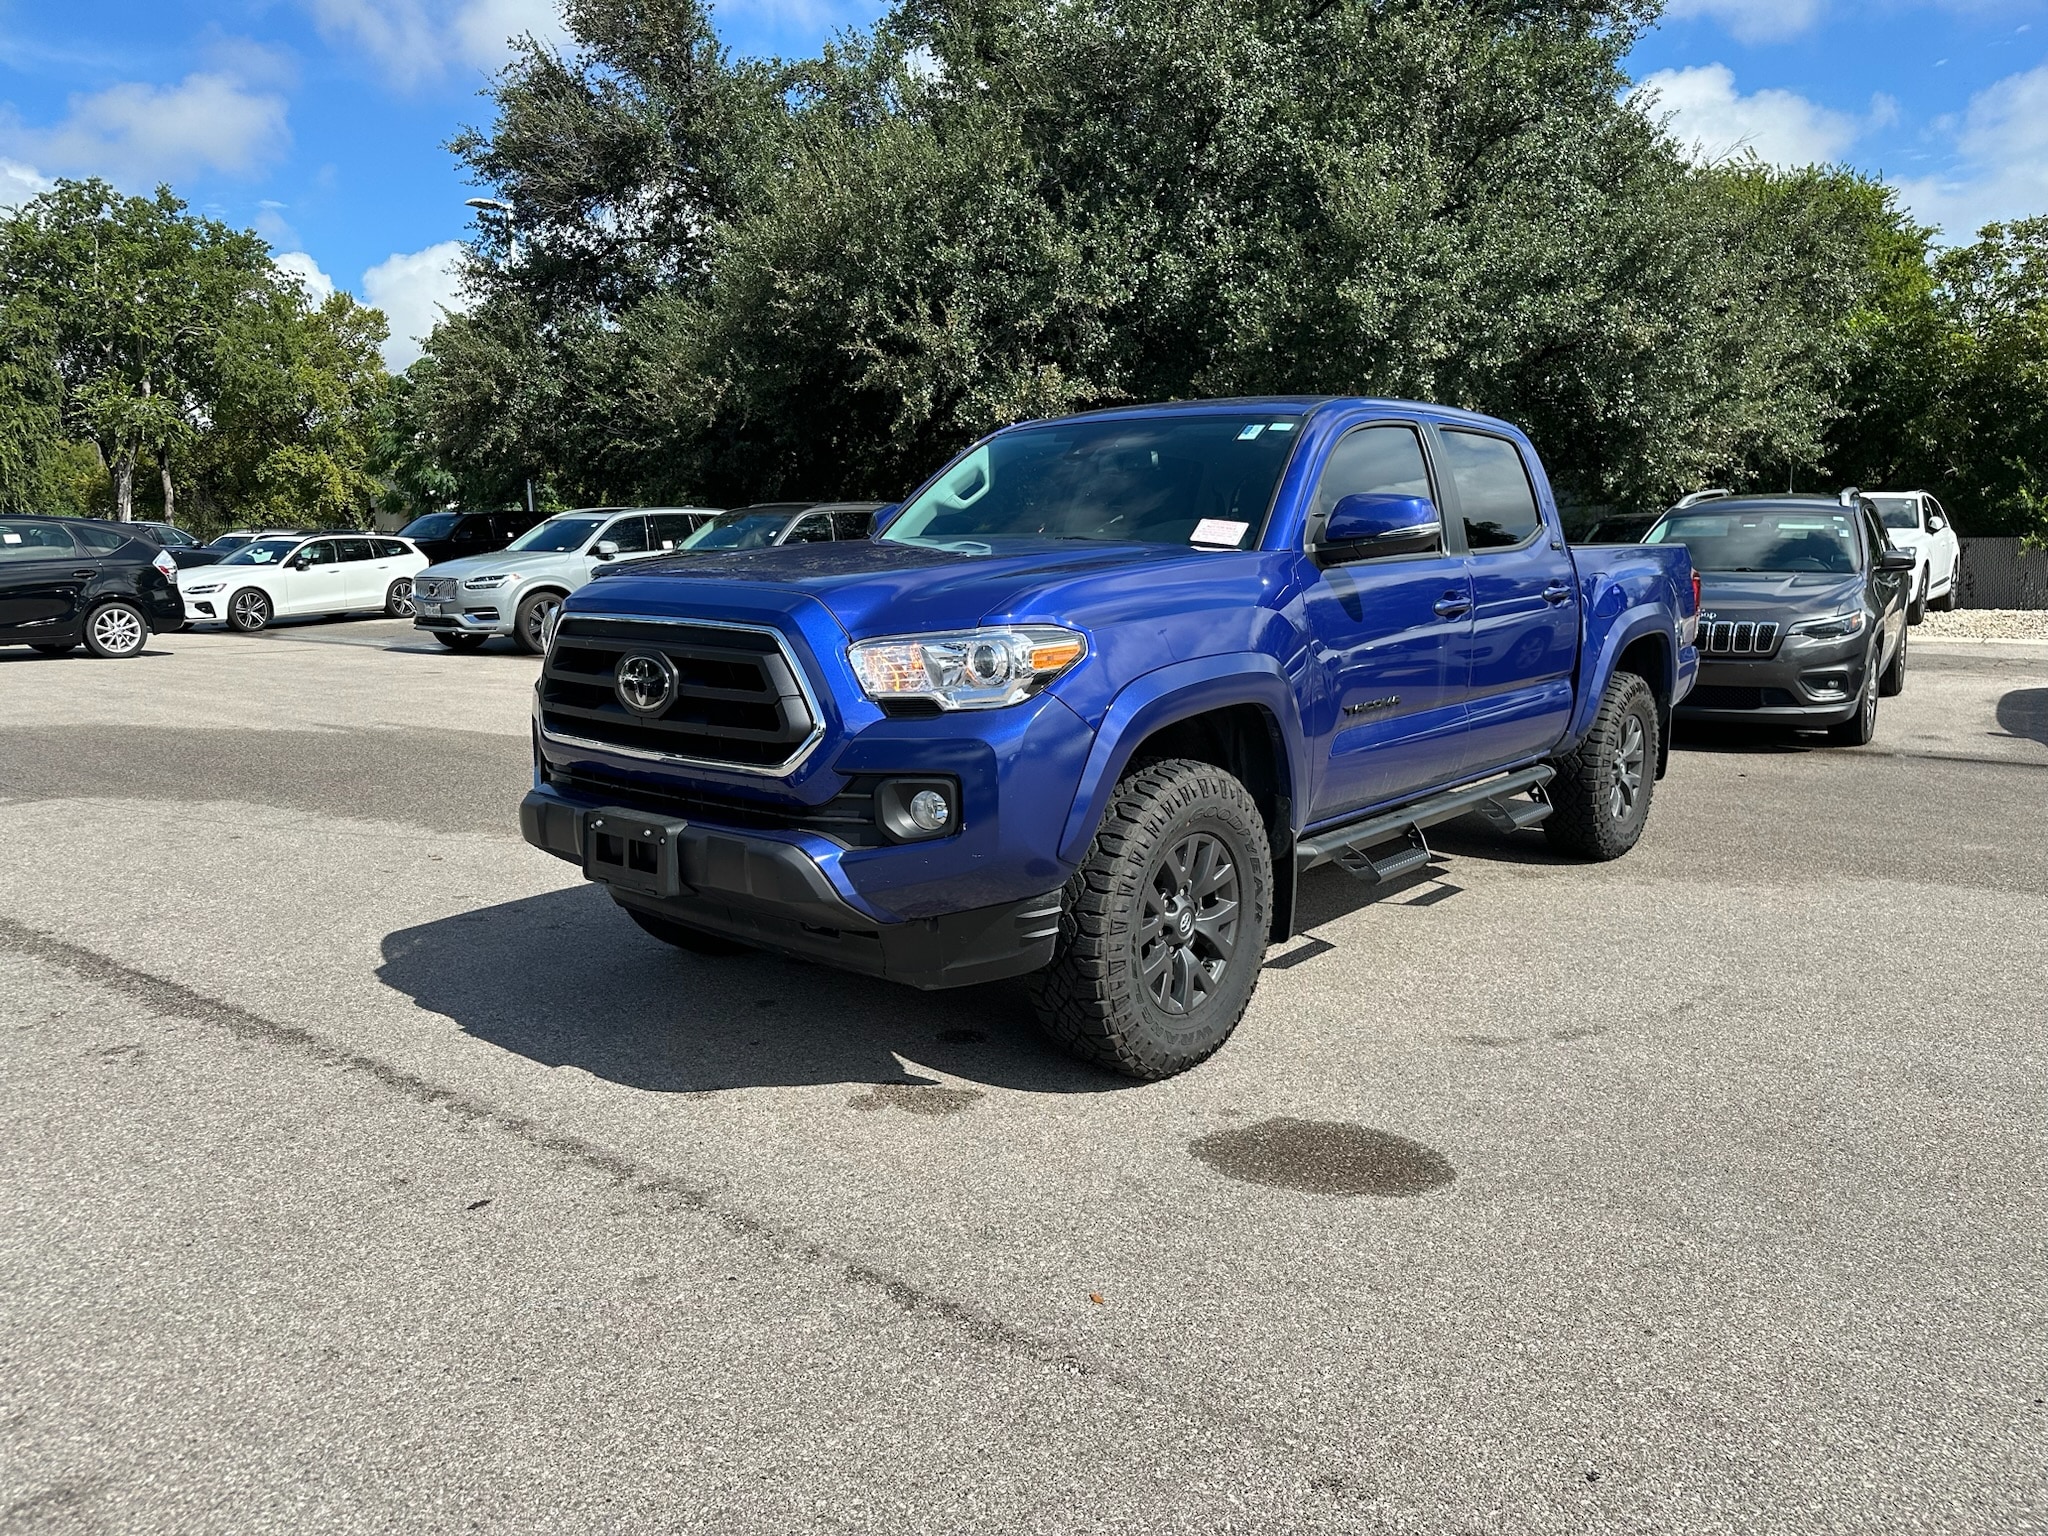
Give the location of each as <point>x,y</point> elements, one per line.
<point>1495,498</point>
<point>356,549</point>
<point>473,530</point>
<point>667,530</point>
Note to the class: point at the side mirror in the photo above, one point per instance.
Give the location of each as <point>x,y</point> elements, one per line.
<point>1936,523</point>
<point>606,549</point>
<point>1896,560</point>
<point>1372,525</point>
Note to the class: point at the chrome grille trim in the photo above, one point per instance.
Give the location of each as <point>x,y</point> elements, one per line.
<point>797,673</point>
<point>1729,638</point>
<point>437,590</point>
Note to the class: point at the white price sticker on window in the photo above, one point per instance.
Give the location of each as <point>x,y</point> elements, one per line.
<point>1218,531</point>
<point>10,538</point>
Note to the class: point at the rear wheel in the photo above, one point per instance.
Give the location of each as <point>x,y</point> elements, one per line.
<point>693,940</point>
<point>115,630</point>
<point>535,622</point>
<point>459,642</point>
<point>1892,681</point>
<point>249,610</point>
<point>398,599</point>
<point>1946,603</point>
<point>1164,925</point>
<point>1860,728</point>
<point>1600,798</point>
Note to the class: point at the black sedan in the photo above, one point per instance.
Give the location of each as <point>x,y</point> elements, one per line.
<point>66,582</point>
<point>1802,612</point>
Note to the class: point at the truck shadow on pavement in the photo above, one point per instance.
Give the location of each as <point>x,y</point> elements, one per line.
<point>566,980</point>
<point>2024,713</point>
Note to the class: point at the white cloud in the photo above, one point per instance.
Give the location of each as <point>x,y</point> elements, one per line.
<point>137,134</point>
<point>2000,169</point>
<point>414,291</point>
<point>1714,121</point>
<point>297,264</point>
<point>415,40</point>
<point>1753,21</point>
<point>19,183</point>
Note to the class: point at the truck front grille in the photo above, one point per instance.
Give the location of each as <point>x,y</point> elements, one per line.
<point>738,700</point>
<point>1744,639</point>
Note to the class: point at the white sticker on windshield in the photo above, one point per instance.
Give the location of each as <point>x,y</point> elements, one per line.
<point>1251,431</point>
<point>1281,426</point>
<point>10,538</point>
<point>1219,531</point>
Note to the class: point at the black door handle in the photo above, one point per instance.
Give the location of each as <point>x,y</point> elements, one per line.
<point>85,575</point>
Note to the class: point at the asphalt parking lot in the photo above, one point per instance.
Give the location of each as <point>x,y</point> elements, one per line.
<point>366,1170</point>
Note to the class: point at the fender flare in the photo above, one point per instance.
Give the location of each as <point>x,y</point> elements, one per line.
<point>1600,669</point>
<point>1179,692</point>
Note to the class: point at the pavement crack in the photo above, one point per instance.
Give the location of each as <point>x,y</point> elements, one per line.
<point>171,999</point>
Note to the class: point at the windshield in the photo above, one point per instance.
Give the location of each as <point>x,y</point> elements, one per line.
<point>262,552</point>
<point>1897,511</point>
<point>1181,479</point>
<point>738,530</point>
<point>435,525</point>
<point>1763,540</point>
<point>557,534</point>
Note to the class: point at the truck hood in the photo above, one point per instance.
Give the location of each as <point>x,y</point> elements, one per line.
<point>879,588</point>
<point>502,562</point>
<point>1801,594</point>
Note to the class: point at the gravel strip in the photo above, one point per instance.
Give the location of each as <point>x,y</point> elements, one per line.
<point>1987,624</point>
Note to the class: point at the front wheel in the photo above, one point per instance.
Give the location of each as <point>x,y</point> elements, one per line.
<point>1860,729</point>
<point>535,623</point>
<point>1892,681</point>
<point>398,599</point>
<point>1163,927</point>
<point>248,611</point>
<point>1916,611</point>
<point>116,630</point>
<point>1600,798</point>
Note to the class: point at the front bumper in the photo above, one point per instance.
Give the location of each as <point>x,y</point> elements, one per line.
<point>776,892</point>
<point>1806,684</point>
<point>466,614</point>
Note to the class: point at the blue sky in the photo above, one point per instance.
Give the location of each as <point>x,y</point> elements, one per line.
<point>320,122</point>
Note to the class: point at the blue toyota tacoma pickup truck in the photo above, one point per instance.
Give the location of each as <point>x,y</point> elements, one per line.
<point>1088,704</point>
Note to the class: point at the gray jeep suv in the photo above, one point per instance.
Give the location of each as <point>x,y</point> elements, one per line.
<point>518,590</point>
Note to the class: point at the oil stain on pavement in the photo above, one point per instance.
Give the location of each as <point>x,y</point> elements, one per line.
<point>1325,1157</point>
<point>916,1097</point>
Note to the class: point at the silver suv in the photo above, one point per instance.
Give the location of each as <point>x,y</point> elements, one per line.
<point>518,590</point>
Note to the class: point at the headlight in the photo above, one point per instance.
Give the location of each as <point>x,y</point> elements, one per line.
<point>486,583</point>
<point>974,669</point>
<point>1838,626</point>
<point>211,586</point>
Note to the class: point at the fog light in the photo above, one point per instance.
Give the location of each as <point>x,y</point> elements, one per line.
<point>929,810</point>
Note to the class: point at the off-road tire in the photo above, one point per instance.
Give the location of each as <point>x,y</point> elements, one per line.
<point>114,631</point>
<point>1601,796</point>
<point>693,940</point>
<point>534,620</point>
<point>398,599</point>
<point>1892,681</point>
<point>459,642</point>
<point>1861,728</point>
<point>250,616</point>
<point>1916,611</point>
<point>1096,998</point>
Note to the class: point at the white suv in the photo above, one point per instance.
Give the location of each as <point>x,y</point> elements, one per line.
<point>518,590</point>
<point>294,575</point>
<point>1916,521</point>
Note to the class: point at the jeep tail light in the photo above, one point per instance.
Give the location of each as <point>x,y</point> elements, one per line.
<point>1695,591</point>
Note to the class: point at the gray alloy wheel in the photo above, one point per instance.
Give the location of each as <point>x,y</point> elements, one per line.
<point>116,630</point>
<point>248,610</point>
<point>1187,927</point>
<point>1860,728</point>
<point>1631,760</point>
<point>535,623</point>
<point>398,598</point>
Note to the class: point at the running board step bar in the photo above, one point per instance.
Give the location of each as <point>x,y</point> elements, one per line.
<point>1351,847</point>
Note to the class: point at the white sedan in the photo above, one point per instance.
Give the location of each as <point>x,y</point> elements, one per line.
<point>299,575</point>
<point>1916,521</point>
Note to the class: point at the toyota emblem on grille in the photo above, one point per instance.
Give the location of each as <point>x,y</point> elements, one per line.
<point>645,683</point>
